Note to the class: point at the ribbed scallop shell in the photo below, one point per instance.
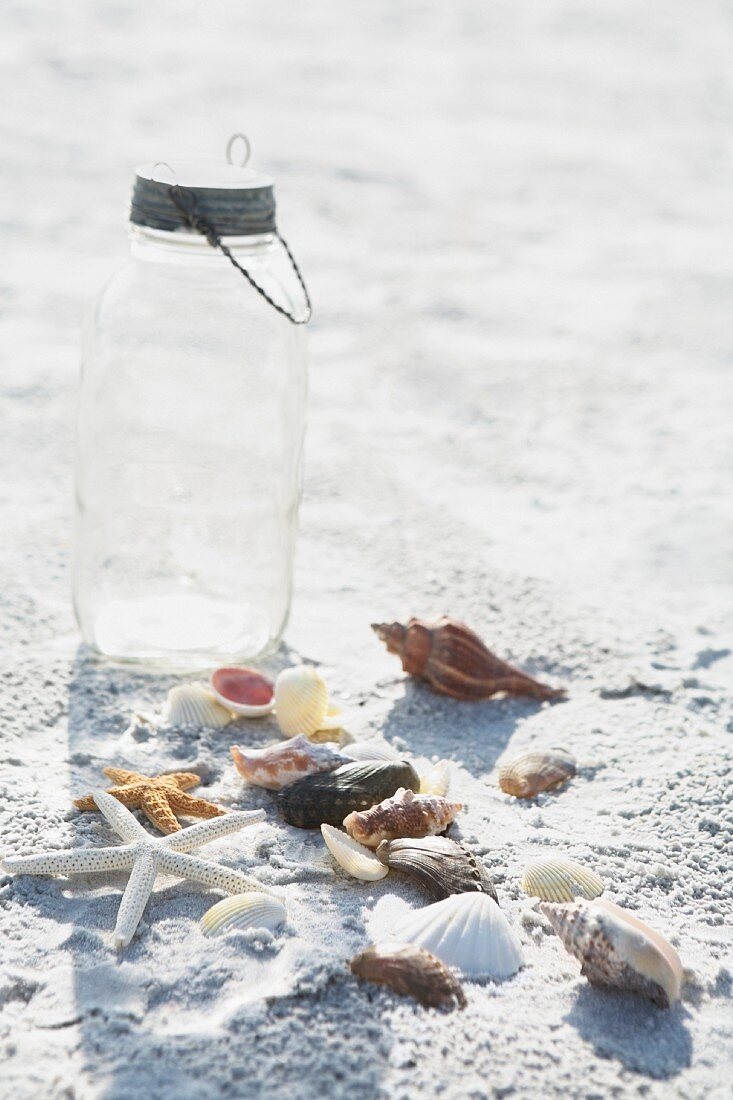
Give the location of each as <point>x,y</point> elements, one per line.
<point>355,859</point>
<point>404,814</point>
<point>301,702</point>
<point>439,864</point>
<point>370,750</point>
<point>436,780</point>
<point>468,931</point>
<point>193,706</point>
<point>617,949</point>
<point>286,762</point>
<point>243,691</point>
<point>410,971</point>
<point>330,797</point>
<point>558,879</point>
<point>529,774</point>
<point>243,911</point>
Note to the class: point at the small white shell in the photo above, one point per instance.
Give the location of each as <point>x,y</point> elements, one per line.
<point>555,878</point>
<point>301,702</point>
<point>468,931</point>
<point>355,859</point>
<point>370,750</point>
<point>437,780</point>
<point>243,911</point>
<point>193,706</point>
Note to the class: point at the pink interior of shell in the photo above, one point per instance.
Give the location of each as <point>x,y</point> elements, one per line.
<point>243,685</point>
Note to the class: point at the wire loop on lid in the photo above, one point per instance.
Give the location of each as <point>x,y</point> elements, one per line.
<point>246,150</point>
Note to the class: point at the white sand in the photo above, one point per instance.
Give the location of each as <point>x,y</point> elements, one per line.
<point>515,219</point>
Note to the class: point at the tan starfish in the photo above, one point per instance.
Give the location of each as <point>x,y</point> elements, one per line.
<point>157,796</point>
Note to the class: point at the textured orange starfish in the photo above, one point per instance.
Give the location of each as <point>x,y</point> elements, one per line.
<point>158,797</point>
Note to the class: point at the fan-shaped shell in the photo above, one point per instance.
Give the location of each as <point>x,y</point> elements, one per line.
<point>330,797</point>
<point>193,706</point>
<point>468,931</point>
<point>436,780</point>
<point>555,878</point>
<point>301,702</point>
<point>405,814</point>
<point>278,765</point>
<point>439,864</point>
<point>355,859</point>
<point>410,971</point>
<point>243,911</point>
<point>617,949</point>
<point>529,774</point>
<point>243,691</point>
<point>370,750</point>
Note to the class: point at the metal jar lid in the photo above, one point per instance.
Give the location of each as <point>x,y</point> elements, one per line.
<point>237,201</point>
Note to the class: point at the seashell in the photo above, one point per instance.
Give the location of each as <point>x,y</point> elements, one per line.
<point>439,864</point>
<point>436,780</point>
<point>468,931</point>
<point>243,911</point>
<point>355,859</point>
<point>302,704</point>
<point>328,798</point>
<point>454,661</point>
<point>243,691</point>
<point>370,750</point>
<point>558,879</point>
<point>410,971</point>
<point>617,949</point>
<point>405,814</point>
<point>193,706</point>
<point>529,774</point>
<point>278,765</point>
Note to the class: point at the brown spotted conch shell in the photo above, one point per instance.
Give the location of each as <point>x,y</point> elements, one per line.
<point>453,660</point>
<point>404,814</point>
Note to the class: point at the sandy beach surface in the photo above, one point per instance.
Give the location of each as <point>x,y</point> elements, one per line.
<point>516,224</point>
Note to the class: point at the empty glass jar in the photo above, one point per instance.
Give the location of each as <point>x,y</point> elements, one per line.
<point>190,429</point>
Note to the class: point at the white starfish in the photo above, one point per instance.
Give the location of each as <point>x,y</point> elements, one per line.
<point>144,855</point>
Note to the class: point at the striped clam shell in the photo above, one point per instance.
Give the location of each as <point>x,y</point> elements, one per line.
<point>353,857</point>
<point>530,773</point>
<point>412,972</point>
<point>193,706</point>
<point>242,911</point>
<point>555,878</point>
<point>302,703</point>
<point>438,863</point>
<point>369,750</point>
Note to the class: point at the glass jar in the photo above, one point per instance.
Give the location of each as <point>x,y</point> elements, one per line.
<point>190,432</point>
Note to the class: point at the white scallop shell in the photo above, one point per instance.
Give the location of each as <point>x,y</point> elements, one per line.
<point>370,750</point>
<point>301,702</point>
<point>355,859</point>
<point>555,878</point>
<point>194,706</point>
<point>243,911</point>
<point>437,780</point>
<point>468,931</point>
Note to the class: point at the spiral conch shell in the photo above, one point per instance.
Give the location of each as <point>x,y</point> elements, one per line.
<point>278,765</point>
<point>405,814</point>
<point>531,773</point>
<point>454,661</point>
<point>412,972</point>
<point>302,703</point>
<point>617,949</point>
<point>555,878</point>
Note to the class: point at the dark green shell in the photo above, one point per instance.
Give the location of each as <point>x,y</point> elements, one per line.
<point>326,798</point>
<point>440,864</point>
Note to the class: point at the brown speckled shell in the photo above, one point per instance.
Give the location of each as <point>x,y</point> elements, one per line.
<point>412,972</point>
<point>440,864</point>
<point>529,774</point>
<point>329,797</point>
<point>405,814</point>
<point>454,661</point>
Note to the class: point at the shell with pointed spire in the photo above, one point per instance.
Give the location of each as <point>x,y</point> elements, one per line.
<point>410,971</point>
<point>438,863</point>
<point>454,661</point>
<point>555,878</point>
<point>531,773</point>
<point>278,765</point>
<point>404,814</point>
<point>467,931</point>
<point>617,949</point>
<point>353,857</point>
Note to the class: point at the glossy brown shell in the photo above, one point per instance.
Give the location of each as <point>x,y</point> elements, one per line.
<point>412,972</point>
<point>453,660</point>
<point>530,773</point>
<point>440,864</point>
<point>329,797</point>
